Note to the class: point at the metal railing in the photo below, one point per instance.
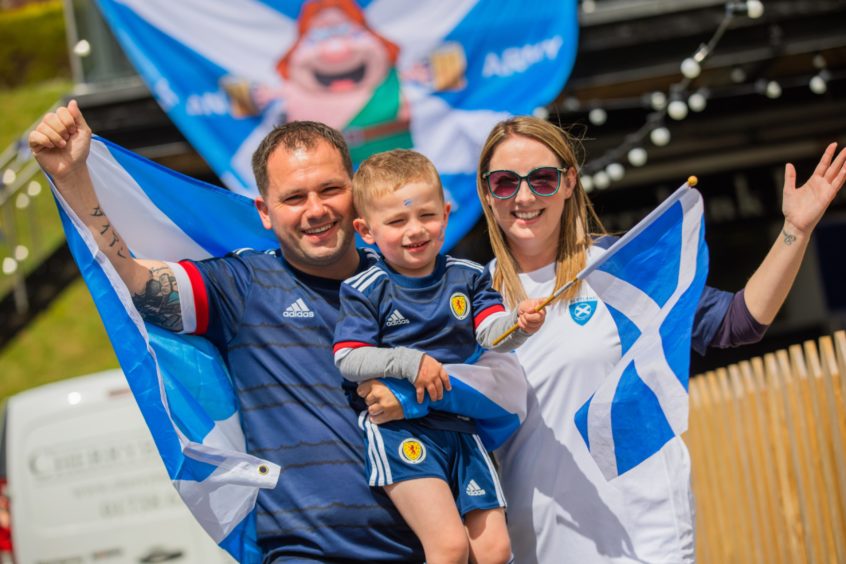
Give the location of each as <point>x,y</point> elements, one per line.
<point>29,226</point>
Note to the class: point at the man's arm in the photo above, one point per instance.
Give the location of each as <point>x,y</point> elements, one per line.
<point>61,143</point>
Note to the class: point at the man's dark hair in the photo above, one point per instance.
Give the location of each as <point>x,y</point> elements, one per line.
<point>297,135</point>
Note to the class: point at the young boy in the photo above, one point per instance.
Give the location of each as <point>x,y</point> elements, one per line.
<point>405,317</point>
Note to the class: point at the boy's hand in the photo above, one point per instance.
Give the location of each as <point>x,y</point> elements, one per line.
<point>432,378</point>
<point>528,319</point>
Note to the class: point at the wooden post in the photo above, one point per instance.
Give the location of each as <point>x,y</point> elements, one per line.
<point>821,423</point>
<point>701,476</point>
<point>744,439</point>
<point>837,411</point>
<point>741,530</point>
<point>762,462</point>
<point>712,439</point>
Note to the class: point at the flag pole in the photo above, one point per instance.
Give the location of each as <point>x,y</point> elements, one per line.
<point>540,307</point>
<point>691,182</point>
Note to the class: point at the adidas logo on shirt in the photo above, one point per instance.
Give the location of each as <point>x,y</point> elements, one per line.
<point>396,318</point>
<point>473,489</point>
<point>298,309</point>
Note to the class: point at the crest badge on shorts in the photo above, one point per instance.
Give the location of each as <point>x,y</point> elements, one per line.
<point>581,312</point>
<point>412,451</point>
<point>459,305</point>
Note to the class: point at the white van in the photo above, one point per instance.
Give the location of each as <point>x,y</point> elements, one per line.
<point>85,483</point>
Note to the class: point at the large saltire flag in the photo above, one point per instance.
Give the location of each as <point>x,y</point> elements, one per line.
<point>180,382</point>
<point>435,75</point>
<point>651,280</point>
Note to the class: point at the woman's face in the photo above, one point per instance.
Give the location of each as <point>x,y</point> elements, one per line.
<point>531,223</point>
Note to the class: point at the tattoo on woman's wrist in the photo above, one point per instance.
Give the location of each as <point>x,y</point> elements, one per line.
<point>789,238</point>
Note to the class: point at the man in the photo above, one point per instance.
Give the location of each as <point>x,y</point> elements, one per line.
<point>272,316</point>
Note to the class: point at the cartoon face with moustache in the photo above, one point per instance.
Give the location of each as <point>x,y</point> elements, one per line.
<point>341,72</point>
<point>339,67</point>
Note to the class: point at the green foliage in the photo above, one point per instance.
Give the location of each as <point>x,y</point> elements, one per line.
<point>33,46</point>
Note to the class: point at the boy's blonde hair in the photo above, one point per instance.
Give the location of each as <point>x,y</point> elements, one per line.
<point>383,173</point>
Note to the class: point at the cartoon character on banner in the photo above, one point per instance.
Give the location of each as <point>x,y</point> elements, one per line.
<point>343,73</point>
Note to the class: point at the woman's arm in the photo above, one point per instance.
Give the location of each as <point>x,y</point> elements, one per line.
<point>803,208</point>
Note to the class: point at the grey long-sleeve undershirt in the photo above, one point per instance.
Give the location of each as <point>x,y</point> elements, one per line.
<point>366,363</point>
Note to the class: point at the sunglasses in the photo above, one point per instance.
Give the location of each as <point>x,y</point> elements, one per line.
<point>505,184</point>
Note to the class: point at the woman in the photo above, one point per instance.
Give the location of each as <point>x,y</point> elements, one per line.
<point>561,508</point>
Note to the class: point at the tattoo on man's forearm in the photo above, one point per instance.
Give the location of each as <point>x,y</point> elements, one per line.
<point>159,302</point>
<point>121,252</point>
<point>789,239</point>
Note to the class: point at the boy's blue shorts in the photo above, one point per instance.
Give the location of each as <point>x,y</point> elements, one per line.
<point>406,450</point>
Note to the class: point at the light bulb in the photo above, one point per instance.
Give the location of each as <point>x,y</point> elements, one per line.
<point>660,136</point>
<point>587,183</point>
<point>34,188</point>
<point>597,116</point>
<point>10,265</point>
<point>773,89</point>
<point>677,110</point>
<point>738,75</point>
<point>615,171</point>
<point>9,176</point>
<point>572,104</point>
<point>637,156</point>
<point>601,180</point>
<point>690,68</point>
<point>818,85</point>
<point>82,48</point>
<point>541,112</point>
<point>697,101</point>
<point>658,100</point>
<point>21,253</point>
<point>754,8</point>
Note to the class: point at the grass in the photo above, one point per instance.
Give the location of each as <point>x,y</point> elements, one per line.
<point>68,338</point>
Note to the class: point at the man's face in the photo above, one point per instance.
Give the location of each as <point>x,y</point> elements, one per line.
<point>309,208</point>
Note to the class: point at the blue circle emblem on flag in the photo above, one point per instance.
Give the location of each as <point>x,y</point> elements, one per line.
<point>581,312</point>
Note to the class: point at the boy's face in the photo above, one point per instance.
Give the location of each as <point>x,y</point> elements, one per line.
<point>408,225</point>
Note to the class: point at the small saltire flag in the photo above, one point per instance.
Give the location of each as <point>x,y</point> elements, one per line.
<point>651,280</point>
<point>179,381</point>
<point>491,388</point>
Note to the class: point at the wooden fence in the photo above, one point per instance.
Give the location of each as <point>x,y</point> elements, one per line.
<point>767,447</point>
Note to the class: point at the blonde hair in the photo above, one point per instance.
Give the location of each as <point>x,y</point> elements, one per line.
<point>578,219</point>
<point>383,173</point>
